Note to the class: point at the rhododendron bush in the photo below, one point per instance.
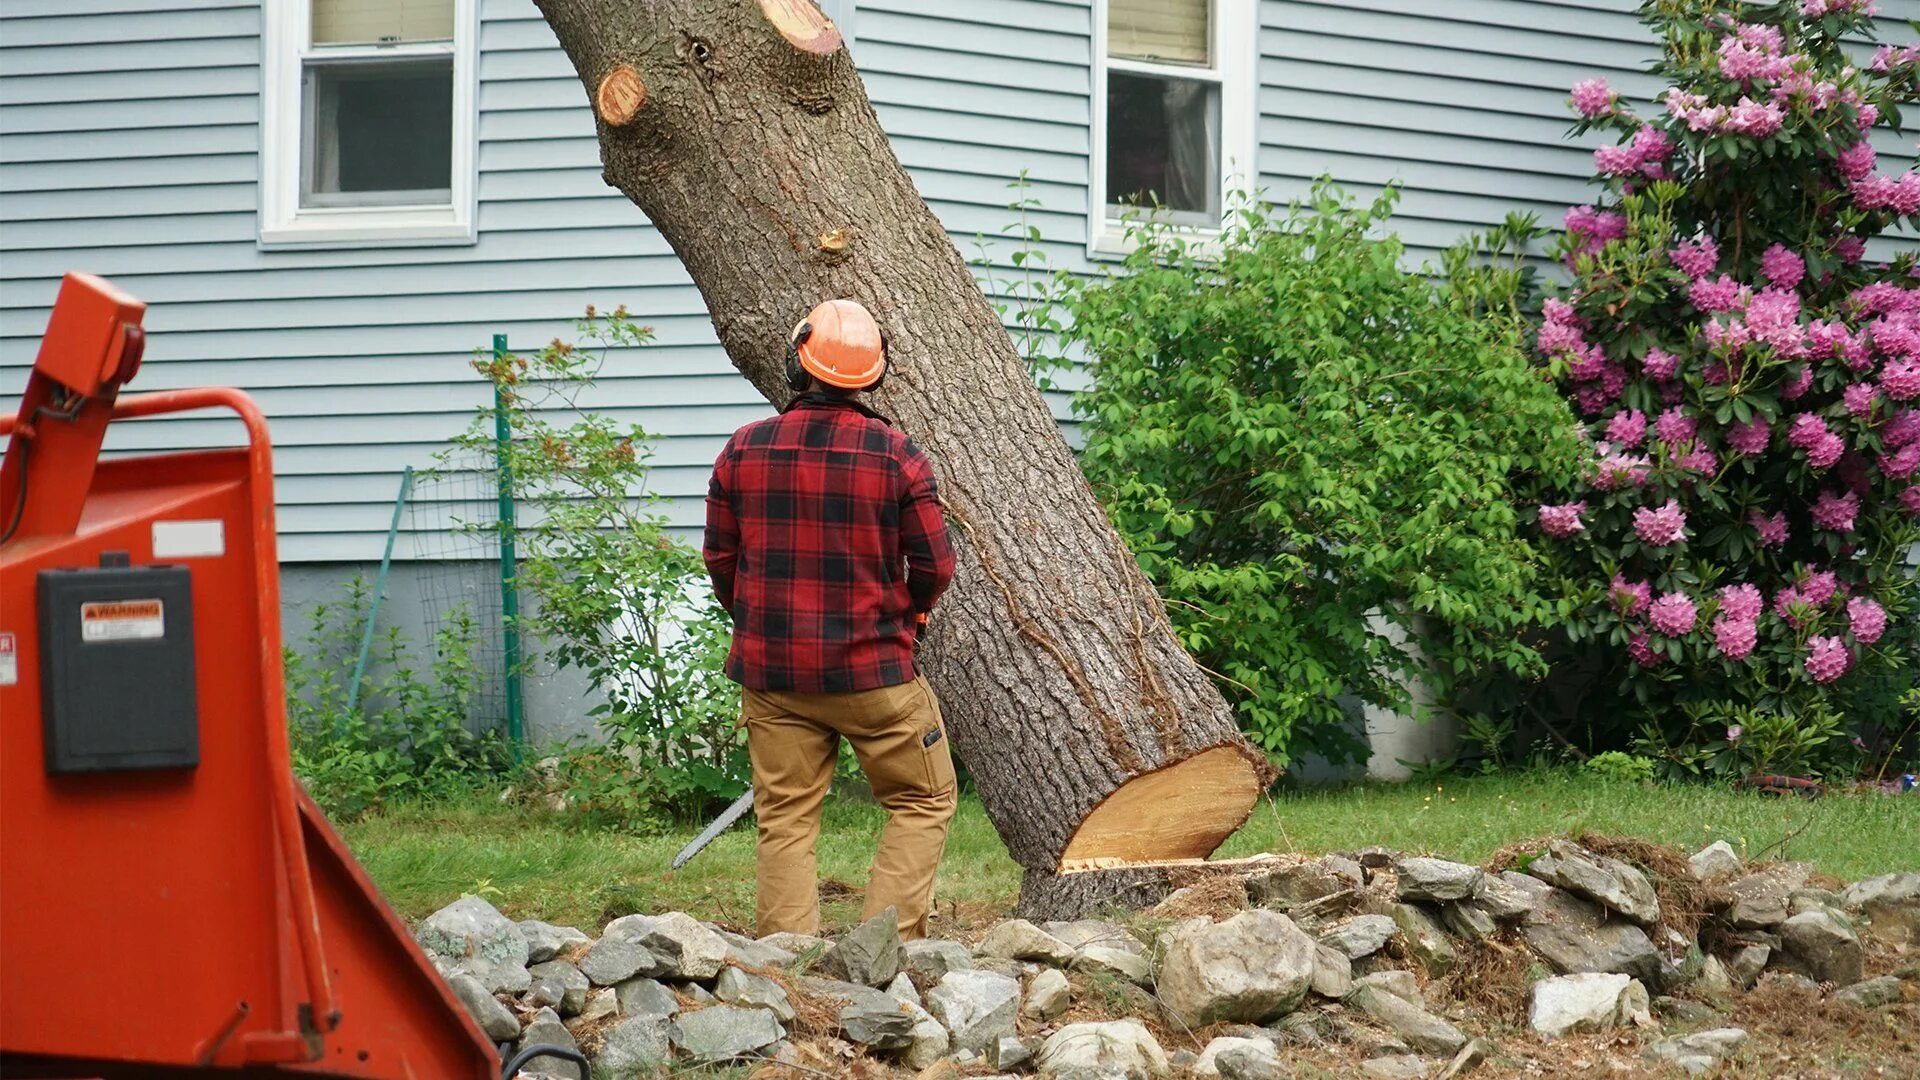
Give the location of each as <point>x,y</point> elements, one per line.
<point>1747,367</point>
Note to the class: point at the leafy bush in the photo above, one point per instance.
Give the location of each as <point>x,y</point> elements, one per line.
<point>410,735</point>
<point>1614,765</point>
<point>1309,449</point>
<point>614,594</point>
<point>1751,384</point>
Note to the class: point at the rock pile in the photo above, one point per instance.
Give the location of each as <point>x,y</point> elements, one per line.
<point>1332,951</point>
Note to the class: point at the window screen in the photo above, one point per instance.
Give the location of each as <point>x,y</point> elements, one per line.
<point>1163,145</point>
<point>379,133</point>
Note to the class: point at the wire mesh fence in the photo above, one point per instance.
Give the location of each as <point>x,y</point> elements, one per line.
<point>451,535</point>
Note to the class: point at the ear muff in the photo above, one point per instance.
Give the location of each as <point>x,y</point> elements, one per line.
<point>797,377</point>
<point>886,360</point>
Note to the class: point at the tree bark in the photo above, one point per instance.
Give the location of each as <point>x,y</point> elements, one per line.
<point>743,131</point>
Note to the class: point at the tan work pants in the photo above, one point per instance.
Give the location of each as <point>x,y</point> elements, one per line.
<point>793,740</point>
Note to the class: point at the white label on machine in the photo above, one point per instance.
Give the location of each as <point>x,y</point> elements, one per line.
<point>122,620</point>
<point>189,539</point>
<point>9,660</point>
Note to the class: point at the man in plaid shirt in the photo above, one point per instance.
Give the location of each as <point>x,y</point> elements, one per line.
<point>826,543</point>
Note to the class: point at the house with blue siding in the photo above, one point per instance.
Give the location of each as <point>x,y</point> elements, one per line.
<point>332,203</point>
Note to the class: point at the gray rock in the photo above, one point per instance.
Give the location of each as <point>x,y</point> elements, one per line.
<point>1288,886</point>
<point>696,993</point>
<point>1081,933</point>
<point>1748,963</point>
<point>1048,995</point>
<point>572,984</point>
<point>1606,881</point>
<point>645,997</point>
<point>494,1018</point>
<point>1762,900</point>
<point>930,1040</point>
<point>1870,994</point>
<point>1576,936</point>
<point>633,1048</point>
<point>1362,935</point>
<point>1436,880</point>
<point>902,989</point>
<point>744,952</point>
<point>977,1007</point>
<point>724,1033</point>
<point>1681,1011</point>
<point>600,1003</point>
<point>1008,1053</point>
<point>879,1020</point>
<point>1117,1048</point>
<point>1715,980</point>
<point>1586,1002</point>
<point>1468,1059</point>
<point>546,941</point>
<point>1426,941</point>
<point>1421,1030</point>
<point>1099,959</point>
<point>1713,862</point>
<point>1251,968</point>
<point>545,994</point>
<point>869,954</point>
<point>1700,1051</point>
<point>1395,1067</point>
<point>1505,901</point>
<point>615,958</point>
<point>1018,939</point>
<point>471,936</point>
<point>1017,970</point>
<point>682,946</point>
<point>1820,945</point>
<point>1231,1057</point>
<point>1400,984</point>
<point>1332,973</point>
<point>1469,920</point>
<point>736,987</point>
<point>1814,900</point>
<point>545,1029</point>
<point>1890,904</point>
<point>805,948</point>
<point>1791,981</point>
<point>930,958</point>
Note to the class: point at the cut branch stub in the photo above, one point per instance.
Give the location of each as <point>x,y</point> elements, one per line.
<point>621,95</point>
<point>803,25</point>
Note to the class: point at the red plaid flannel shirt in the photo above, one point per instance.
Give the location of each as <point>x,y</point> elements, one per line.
<point>825,541</point>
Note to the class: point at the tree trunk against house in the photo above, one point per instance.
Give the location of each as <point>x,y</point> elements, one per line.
<point>742,130</point>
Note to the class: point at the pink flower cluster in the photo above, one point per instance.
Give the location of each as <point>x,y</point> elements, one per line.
<point>1754,119</point>
<point>1835,512</point>
<point>1661,526</point>
<point>1827,658</point>
<point>1562,521</point>
<point>1769,529</point>
<point>1593,97</point>
<point>1672,615</point>
<point>1809,432</point>
<point>1783,267</point>
<point>1752,53</point>
<point>1749,438</point>
<point>1867,619</point>
<point>1595,228</point>
<point>1900,194</point>
<point>1645,154</point>
<point>1888,57</point>
<point>1629,597</point>
<point>1814,9</point>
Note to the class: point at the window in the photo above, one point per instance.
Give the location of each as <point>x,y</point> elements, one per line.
<point>367,122</point>
<point>1172,111</point>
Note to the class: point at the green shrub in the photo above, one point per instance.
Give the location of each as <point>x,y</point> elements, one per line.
<point>1615,765</point>
<point>610,592</point>
<point>411,734</point>
<point>1310,450</point>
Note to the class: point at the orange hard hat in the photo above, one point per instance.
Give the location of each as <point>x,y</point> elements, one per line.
<point>844,347</point>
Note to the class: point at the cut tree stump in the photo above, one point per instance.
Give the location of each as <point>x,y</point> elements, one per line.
<point>742,130</point>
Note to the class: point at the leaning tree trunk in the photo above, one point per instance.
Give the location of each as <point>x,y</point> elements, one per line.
<point>743,131</point>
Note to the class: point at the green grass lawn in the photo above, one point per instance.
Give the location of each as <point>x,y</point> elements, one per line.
<point>539,865</point>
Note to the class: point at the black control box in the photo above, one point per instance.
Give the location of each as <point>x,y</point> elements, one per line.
<point>116,669</point>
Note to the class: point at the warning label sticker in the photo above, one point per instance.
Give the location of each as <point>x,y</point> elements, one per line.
<point>122,620</point>
<point>9,660</point>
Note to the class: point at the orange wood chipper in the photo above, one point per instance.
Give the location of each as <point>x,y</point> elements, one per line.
<point>171,901</point>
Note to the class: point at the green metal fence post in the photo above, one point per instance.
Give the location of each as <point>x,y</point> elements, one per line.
<point>379,591</point>
<point>509,576</point>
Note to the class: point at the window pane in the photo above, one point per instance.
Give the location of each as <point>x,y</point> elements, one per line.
<point>1163,144</point>
<point>379,132</point>
<point>362,22</point>
<point>1169,31</point>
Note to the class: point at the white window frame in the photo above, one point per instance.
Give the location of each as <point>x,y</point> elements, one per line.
<point>1236,44</point>
<point>284,223</point>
